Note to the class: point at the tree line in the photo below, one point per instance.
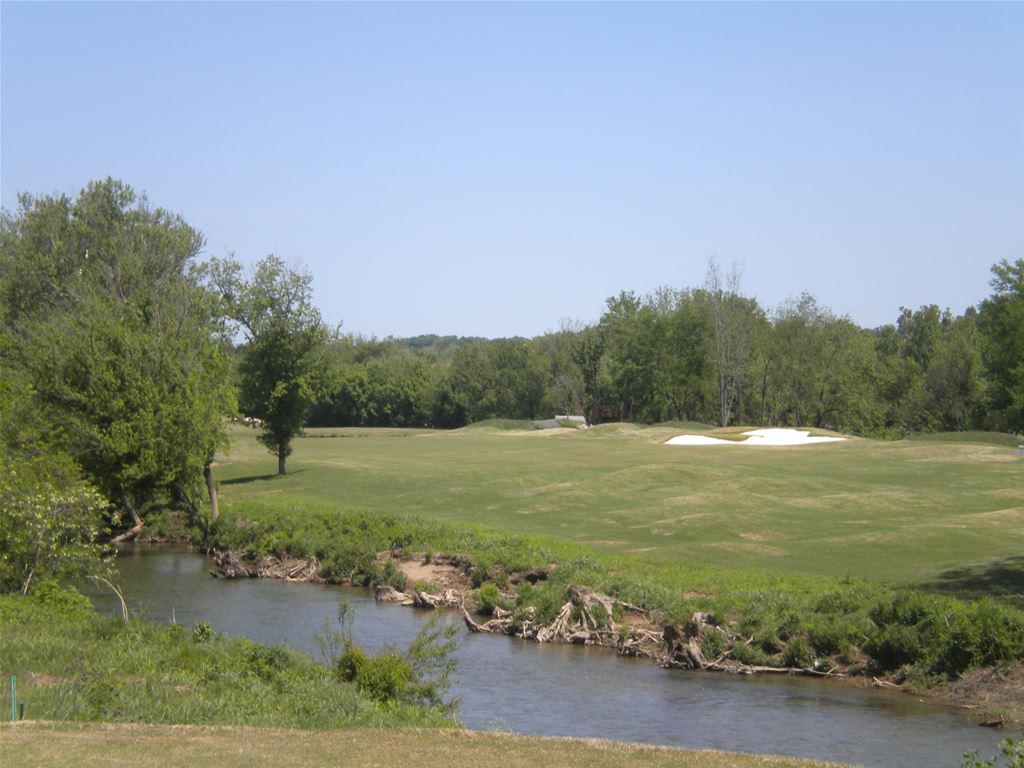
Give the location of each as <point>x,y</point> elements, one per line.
<point>123,355</point>
<point>711,355</point>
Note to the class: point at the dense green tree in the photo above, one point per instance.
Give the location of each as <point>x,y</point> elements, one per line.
<point>387,391</point>
<point>564,391</point>
<point>929,371</point>
<point>281,369</point>
<point>587,352</point>
<point>1001,322</point>
<point>112,350</point>
<point>822,370</point>
<point>683,370</point>
<point>629,332</point>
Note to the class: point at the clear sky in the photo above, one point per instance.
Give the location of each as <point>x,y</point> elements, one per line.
<point>489,168</point>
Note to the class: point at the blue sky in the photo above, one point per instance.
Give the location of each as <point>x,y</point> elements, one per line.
<point>490,168</point>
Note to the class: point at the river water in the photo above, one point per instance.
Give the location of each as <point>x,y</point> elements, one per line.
<point>559,690</point>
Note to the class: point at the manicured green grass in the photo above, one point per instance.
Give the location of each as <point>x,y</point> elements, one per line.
<point>944,512</point>
<point>138,746</point>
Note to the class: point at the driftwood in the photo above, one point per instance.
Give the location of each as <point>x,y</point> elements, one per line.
<point>385,593</point>
<point>231,566</point>
<point>682,644</point>
<point>884,684</point>
<point>289,570</point>
<point>136,528</point>
<point>450,598</point>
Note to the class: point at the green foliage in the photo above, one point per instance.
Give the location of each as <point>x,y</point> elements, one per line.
<point>1001,325</point>
<point>111,346</point>
<point>749,654</point>
<point>704,355</point>
<point>489,598</point>
<point>1012,753</point>
<point>281,370</point>
<point>713,643</point>
<point>942,636</point>
<point>831,635</point>
<point>430,656</point>
<point>49,525</point>
<point>203,632</point>
<point>419,676</point>
<point>798,654</point>
<point>105,669</point>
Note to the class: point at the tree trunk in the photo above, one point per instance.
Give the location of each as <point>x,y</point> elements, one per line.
<point>280,463</point>
<point>132,532</point>
<point>211,488</point>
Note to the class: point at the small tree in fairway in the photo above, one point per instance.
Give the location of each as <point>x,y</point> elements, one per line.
<point>273,307</point>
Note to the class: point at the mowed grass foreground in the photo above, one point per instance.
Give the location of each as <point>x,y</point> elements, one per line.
<point>30,744</point>
<point>945,512</point>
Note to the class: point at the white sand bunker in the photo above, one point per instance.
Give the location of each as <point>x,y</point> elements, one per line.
<point>757,437</point>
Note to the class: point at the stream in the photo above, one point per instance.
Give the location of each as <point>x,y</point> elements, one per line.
<point>561,690</point>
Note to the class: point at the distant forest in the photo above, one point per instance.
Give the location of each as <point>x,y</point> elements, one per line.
<point>709,354</point>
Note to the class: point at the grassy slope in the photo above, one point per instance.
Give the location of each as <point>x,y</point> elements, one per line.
<point>138,746</point>
<point>902,512</point>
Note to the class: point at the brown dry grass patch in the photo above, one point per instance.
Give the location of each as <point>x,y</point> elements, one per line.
<point>91,745</point>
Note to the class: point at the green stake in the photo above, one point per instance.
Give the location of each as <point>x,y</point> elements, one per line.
<point>14,698</point>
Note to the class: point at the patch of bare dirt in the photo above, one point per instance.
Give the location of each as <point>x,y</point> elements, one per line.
<point>995,696</point>
<point>437,571</point>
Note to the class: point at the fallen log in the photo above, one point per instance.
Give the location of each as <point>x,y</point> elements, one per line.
<point>385,593</point>
<point>450,598</point>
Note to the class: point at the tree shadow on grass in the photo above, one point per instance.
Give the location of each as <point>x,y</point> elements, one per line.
<point>1003,578</point>
<point>255,478</point>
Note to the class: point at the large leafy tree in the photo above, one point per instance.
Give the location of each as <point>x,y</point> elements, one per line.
<point>280,372</point>
<point>111,344</point>
<point>821,370</point>
<point>1001,322</point>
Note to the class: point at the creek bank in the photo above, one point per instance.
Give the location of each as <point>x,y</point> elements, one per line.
<point>589,618</point>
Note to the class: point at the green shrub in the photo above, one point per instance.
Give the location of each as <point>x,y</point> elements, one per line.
<point>905,608</point>
<point>67,601</point>
<point>830,637</point>
<point>266,663</point>
<point>893,647</point>
<point>1013,752</point>
<point>841,601</point>
<point>381,677</point>
<point>392,574</point>
<point>203,632</point>
<point>768,642</point>
<point>50,524</point>
<point>489,597</point>
<point>749,654</point>
<point>712,643</point>
<point>798,654</point>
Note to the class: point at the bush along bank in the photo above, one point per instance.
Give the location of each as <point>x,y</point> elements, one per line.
<point>73,664</point>
<point>683,616</point>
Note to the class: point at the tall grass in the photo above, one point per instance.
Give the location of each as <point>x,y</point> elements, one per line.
<point>73,664</point>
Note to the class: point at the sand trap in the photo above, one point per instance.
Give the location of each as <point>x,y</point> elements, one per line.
<point>757,437</point>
